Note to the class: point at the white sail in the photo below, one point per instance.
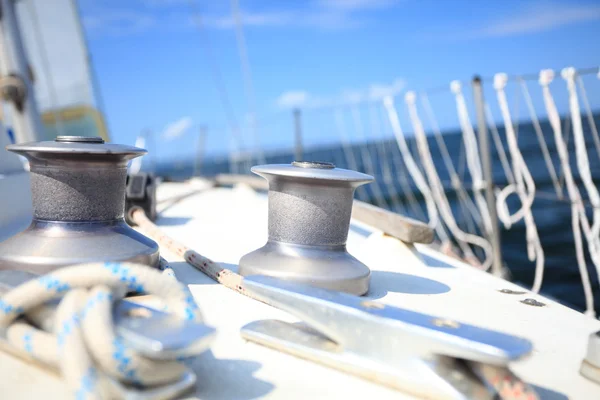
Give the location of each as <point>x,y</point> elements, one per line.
<point>63,79</point>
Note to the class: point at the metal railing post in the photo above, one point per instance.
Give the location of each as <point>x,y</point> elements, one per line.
<point>486,164</point>
<point>200,151</point>
<point>298,150</point>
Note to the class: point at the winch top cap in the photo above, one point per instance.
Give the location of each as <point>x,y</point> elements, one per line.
<point>77,145</point>
<point>304,169</point>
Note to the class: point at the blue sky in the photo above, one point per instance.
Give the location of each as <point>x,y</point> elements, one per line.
<point>171,65</point>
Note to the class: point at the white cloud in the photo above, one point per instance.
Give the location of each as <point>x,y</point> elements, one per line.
<point>262,19</point>
<point>373,92</point>
<point>542,17</point>
<point>177,128</point>
<point>292,99</point>
<point>119,22</point>
<point>378,91</point>
<point>174,14</point>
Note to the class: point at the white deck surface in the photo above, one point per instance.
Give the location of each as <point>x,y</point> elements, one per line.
<point>224,224</point>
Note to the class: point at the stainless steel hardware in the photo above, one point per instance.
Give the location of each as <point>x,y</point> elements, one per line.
<point>310,205</point>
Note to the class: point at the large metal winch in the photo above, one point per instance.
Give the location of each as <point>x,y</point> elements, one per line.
<point>78,194</point>
<point>310,205</point>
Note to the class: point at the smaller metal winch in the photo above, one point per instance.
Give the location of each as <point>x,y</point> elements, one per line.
<point>78,195</point>
<point>310,205</point>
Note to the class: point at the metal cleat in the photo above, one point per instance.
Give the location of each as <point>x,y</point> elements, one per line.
<point>420,354</point>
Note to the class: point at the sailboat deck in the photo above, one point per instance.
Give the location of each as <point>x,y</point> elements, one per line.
<point>224,224</point>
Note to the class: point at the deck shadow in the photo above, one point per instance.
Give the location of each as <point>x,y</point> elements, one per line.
<point>549,394</point>
<point>433,262</point>
<point>228,378</point>
<point>172,221</point>
<point>383,282</point>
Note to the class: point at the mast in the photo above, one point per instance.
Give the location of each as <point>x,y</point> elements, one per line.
<point>16,85</point>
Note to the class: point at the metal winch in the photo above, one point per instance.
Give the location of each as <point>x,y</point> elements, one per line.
<point>310,205</point>
<point>78,195</point>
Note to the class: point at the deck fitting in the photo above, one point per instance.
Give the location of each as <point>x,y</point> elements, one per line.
<point>310,205</point>
<point>533,302</point>
<point>78,196</point>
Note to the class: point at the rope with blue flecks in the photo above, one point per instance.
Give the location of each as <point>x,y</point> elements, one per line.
<point>79,337</point>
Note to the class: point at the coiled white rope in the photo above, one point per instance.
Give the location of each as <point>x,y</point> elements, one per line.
<point>413,169</point>
<point>439,195</point>
<point>578,217</point>
<point>472,152</point>
<point>79,338</point>
<point>524,187</point>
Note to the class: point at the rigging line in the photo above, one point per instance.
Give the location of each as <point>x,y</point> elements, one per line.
<point>472,156</point>
<point>217,79</point>
<point>462,160</point>
<point>367,160</point>
<point>524,187</point>
<point>535,76</point>
<point>340,126</point>
<point>414,204</point>
<point>516,112</point>
<point>590,114</point>
<point>45,66</point>
<point>439,195</point>
<point>413,169</point>
<point>566,128</point>
<point>400,168</point>
<point>541,140</point>
<point>583,165</point>
<point>499,145</point>
<point>99,98</point>
<point>247,75</point>
<point>465,201</point>
<point>376,127</point>
<point>578,216</point>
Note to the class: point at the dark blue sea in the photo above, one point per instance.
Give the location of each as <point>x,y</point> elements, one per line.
<point>395,190</point>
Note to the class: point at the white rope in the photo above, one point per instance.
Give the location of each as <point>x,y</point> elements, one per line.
<point>499,146</point>
<point>367,160</point>
<point>348,152</point>
<point>590,115</point>
<point>577,208</point>
<point>413,168</point>
<point>469,207</point>
<point>79,338</point>
<point>399,168</point>
<point>524,187</point>
<point>375,125</point>
<point>583,164</point>
<point>439,195</point>
<point>472,155</point>
<point>541,140</point>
